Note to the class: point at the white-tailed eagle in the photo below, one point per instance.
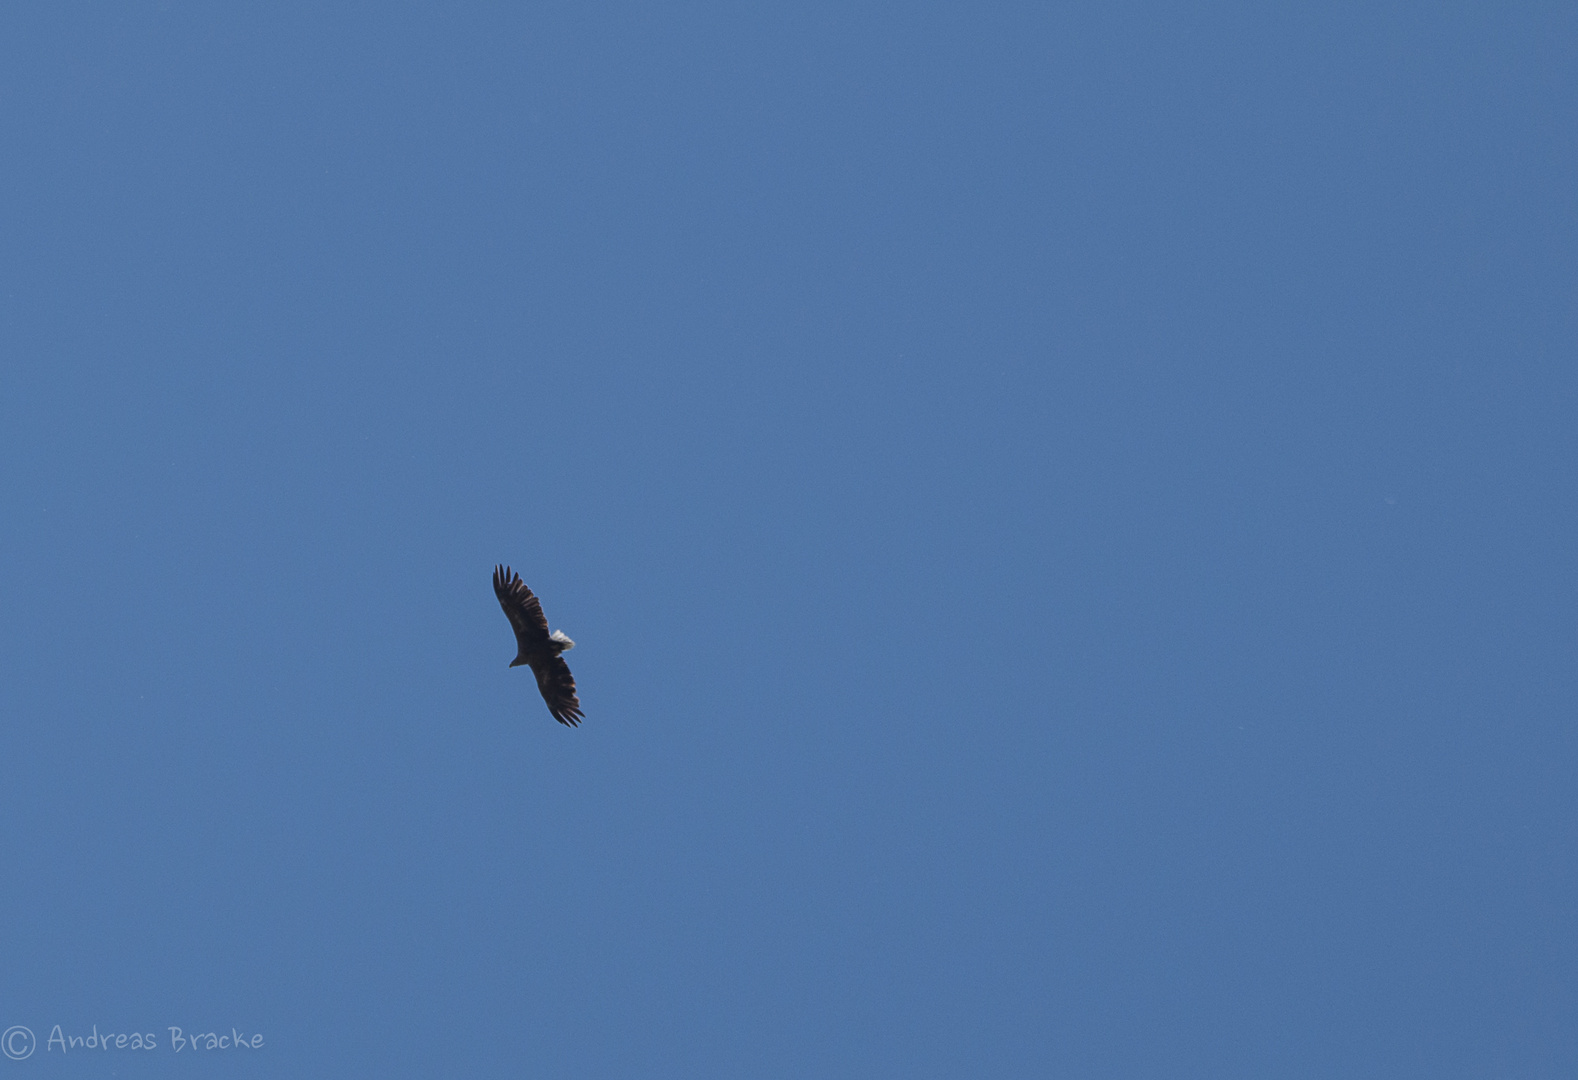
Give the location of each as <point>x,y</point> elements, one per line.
<point>537,647</point>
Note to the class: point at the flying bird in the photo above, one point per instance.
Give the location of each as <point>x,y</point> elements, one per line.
<point>537,647</point>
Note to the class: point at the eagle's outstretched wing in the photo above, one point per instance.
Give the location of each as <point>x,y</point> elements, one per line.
<point>558,689</point>
<point>522,608</point>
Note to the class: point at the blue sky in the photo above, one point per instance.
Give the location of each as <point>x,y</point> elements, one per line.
<point>1066,513</point>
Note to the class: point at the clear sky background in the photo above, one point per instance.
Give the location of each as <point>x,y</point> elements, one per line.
<point>1067,512</point>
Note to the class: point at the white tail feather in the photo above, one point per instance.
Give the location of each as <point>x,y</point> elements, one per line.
<point>559,635</point>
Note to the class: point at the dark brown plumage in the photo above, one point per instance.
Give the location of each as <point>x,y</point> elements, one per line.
<point>537,647</point>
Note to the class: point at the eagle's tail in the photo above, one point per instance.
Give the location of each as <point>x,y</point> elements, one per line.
<point>562,639</point>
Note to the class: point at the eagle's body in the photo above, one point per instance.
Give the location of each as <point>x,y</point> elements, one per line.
<point>538,648</point>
